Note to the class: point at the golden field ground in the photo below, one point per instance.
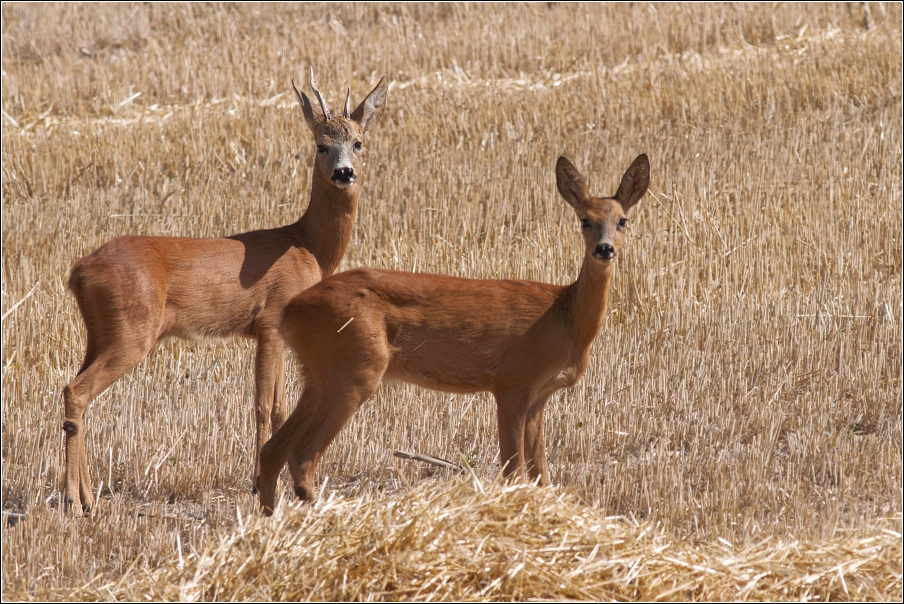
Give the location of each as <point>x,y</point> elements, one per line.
<point>738,432</point>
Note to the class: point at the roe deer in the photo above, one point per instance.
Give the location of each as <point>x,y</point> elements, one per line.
<point>520,340</point>
<point>133,291</point>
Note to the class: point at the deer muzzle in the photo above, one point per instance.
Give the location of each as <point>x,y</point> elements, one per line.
<point>343,177</point>
<point>604,251</point>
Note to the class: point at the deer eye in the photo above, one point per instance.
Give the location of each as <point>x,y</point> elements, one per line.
<point>622,223</point>
<point>321,148</point>
<point>585,224</point>
<point>358,146</point>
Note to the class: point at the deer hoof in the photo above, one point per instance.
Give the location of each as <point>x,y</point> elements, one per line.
<point>304,494</point>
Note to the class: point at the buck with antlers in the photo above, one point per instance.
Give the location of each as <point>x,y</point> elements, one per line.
<point>520,340</point>
<point>133,291</point>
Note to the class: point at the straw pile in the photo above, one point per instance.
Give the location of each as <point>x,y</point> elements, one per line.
<point>460,540</point>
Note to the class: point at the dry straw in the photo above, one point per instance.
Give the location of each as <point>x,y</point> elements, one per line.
<point>454,540</point>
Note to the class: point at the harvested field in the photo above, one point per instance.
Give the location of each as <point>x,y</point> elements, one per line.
<point>455,541</point>
<point>738,432</point>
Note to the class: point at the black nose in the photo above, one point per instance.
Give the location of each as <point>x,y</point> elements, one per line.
<point>604,251</point>
<point>343,174</point>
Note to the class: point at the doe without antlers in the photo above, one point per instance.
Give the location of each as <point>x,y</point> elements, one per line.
<point>520,340</point>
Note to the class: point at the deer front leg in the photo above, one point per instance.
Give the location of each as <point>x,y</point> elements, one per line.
<point>511,411</point>
<point>269,363</point>
<point>279,412</point>
<point>535,444</point>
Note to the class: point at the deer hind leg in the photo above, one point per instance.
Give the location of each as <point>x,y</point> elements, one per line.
<point>269,392</point>
<point>122,328</point>
<point>275,451</point>
<point>104,364</point>
<point>340,399</point>
<point>339,377</point>
<point>337,382</point>
<point>535,444</point>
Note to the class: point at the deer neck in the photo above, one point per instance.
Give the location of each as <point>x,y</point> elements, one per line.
<point>326,226</point>
<point>590,298</point>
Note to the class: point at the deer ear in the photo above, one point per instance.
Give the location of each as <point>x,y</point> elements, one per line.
<point>634,183</point>
<point>371,108</point>
<point>312,115</point>
<point>571,184</point>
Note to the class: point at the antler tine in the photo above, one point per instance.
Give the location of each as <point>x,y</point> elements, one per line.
<point>326,112</point>
<point>347,112</point>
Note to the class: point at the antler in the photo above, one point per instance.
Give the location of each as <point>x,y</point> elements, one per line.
<point>347,112</point>
<point>326,112</point>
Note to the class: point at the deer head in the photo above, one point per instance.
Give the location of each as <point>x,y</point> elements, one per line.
<point>340,140</point>
<point>603,219</point>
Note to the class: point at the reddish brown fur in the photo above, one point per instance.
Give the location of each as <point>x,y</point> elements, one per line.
<point>520,340</point>
<point>133,291</point>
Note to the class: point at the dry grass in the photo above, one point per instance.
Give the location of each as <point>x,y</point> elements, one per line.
<point>747,384</point>
<point>455,542</point>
